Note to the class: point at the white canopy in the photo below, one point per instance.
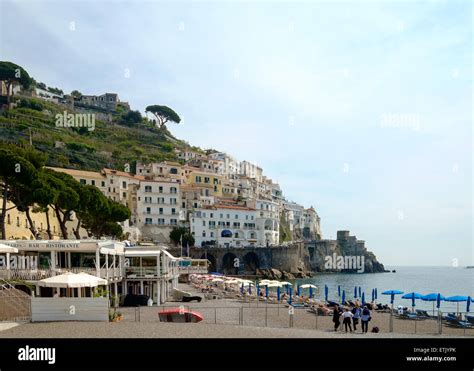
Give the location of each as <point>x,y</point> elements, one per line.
<point>72,280</point>
<point>6,248</point>
<point>274,284</point>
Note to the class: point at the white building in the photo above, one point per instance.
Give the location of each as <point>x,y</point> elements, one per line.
<point>268,222</point>
<point>159,209</point>
<point>251,170</point>
<point>231,165</point>
<point>225,226</point>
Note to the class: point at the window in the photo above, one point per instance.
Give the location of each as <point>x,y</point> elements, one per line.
<point>203,223</point>
<point>236,225</point>
<point>161,200</point>
<point>103,184</point>
<point>147,189</point>
<point>198,179</point>
<point>93,182</point>
<point>161,221</point>
<point>160,211</point>
<point>124,184</point>
<point>173,211</point>
<point>204,233</point>
<point>216,181</point>
<point>160,189</point>
<point>82,181</point>
<point>173,201</point>
<point>236,216</point>
<point>148,221</point>
<point>173,190</point>
<point>212,215</point>
<point>148,200</point>
<point>236,234</point>
<point>111,181</point>
<point>124,194</point>
<point>246,217</point>
<point>222,216</point>
<point>228,216</point>
<point>206,179</point>
<point>148,210</point>
<point>212,234</point>
<point>215,188</point>
<point>18,221</point>
<point>173,170</point>
<point>173,221</point>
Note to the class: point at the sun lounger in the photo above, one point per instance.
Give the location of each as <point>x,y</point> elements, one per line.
<point>451,322</point>
<point>470,319</point>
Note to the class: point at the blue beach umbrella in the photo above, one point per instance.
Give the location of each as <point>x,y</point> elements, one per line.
<point>278,293</point>
<point>412,296</point>
<point>311,291</point>
<point>355,291</point>
<point>291,296</point>
<point>343,297</point>
<point>298,290</point>
<point>258,290</point>
<point>468,305</point>
<point>434,297</point>
<point>392,294</point>
<point>338,291</point>
<point>457,299</point>
<point>375,291</point>
<point>363,298</point>
<point>242,288</point>
<point>250,289</point>
<point>266,291</point>
<point>326,291</point>
<point>360,290</point>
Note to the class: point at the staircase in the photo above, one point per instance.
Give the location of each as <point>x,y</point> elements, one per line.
<point>15,305</point>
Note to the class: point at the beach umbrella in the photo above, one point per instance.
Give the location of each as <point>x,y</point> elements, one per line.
<point>412,296</point>
<point>434,297</point>
<point>298,290</point>
<point>338,290</point>
<point>457,299</point>
<point>326,290</point>
<point>373,294</point>
<point>291,296</point>
<point>250,289</point>
<point>266,291</point>
<point>468,303</point>
<point>278,293</point>
<point>360,290</point>
<point>375,291</point>
<point>392,294</point>
<point>343,297</point>
<point>311,291</point>
<point>363,298</point>
<point>258,291</point>
<point>355,292</point>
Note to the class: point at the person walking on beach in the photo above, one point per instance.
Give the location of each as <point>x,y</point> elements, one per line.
<point>336,317</point>
<point>346,319</point>
<point>357,312</point>
<point>365,318</point>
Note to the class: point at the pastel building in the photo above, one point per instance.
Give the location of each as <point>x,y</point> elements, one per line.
<point>225,226</point>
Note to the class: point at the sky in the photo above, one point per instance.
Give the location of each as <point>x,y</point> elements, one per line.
<point>361,109</point>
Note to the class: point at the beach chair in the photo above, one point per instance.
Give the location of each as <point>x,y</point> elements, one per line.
<point>458,323</point>
<point>470,319</point>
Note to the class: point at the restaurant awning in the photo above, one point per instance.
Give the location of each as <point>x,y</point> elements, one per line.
<point>7,249</point>
<point>72,280</point>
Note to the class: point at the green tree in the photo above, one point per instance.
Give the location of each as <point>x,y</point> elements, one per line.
<point>13,74</point>
<point>163,114</point>
<point>181,232</point>
<point>76,94</point>
<point>131,118</point>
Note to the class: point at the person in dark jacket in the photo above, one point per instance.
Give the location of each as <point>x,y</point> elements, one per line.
<point>336,317</point>
<point>365,318</point>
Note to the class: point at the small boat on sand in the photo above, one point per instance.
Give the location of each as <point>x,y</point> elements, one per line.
<point>179,315</point>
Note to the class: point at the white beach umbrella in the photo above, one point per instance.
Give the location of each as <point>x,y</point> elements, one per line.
<point>7,249</point>
<point>308,285</point>
<point>217,280</point>
<point>285,283</point>
<point>72,280</point>
<point>274,284</point>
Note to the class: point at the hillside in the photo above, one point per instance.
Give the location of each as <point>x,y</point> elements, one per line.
<point>109,145</point>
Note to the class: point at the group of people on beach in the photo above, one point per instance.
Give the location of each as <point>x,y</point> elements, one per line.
<point>351,317</point>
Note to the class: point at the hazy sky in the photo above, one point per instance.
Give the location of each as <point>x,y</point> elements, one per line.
<point>362,109</point>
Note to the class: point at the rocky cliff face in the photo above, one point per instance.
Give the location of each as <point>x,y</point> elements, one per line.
<point>346,254</point>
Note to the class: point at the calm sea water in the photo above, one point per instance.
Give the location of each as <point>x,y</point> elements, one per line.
<point>448,281</point>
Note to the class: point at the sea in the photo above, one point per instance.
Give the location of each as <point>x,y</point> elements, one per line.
<point>448,281</point>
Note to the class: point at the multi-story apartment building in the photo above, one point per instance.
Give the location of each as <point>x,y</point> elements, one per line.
<point>231,165</point>
<point>312,224</point>
<point>187,154</point>
<point>251,170</point>
<point>107,102</point>
<point>166,169</point>
<point>268,222</point>
<point>225,226</point>
<point>159,209</point>
<point>198,177</point>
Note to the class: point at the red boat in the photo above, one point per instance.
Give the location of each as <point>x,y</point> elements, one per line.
<point>179,315</point>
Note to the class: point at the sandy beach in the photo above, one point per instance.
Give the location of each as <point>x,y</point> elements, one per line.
<point>221,320</point>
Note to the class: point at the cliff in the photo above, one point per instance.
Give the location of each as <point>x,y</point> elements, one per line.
<point>346,254</point>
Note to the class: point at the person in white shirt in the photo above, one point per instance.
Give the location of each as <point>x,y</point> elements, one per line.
<point>347,319</point>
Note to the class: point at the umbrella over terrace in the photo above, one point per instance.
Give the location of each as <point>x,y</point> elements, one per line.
<point>72,280</point>
<point>7,249</point>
